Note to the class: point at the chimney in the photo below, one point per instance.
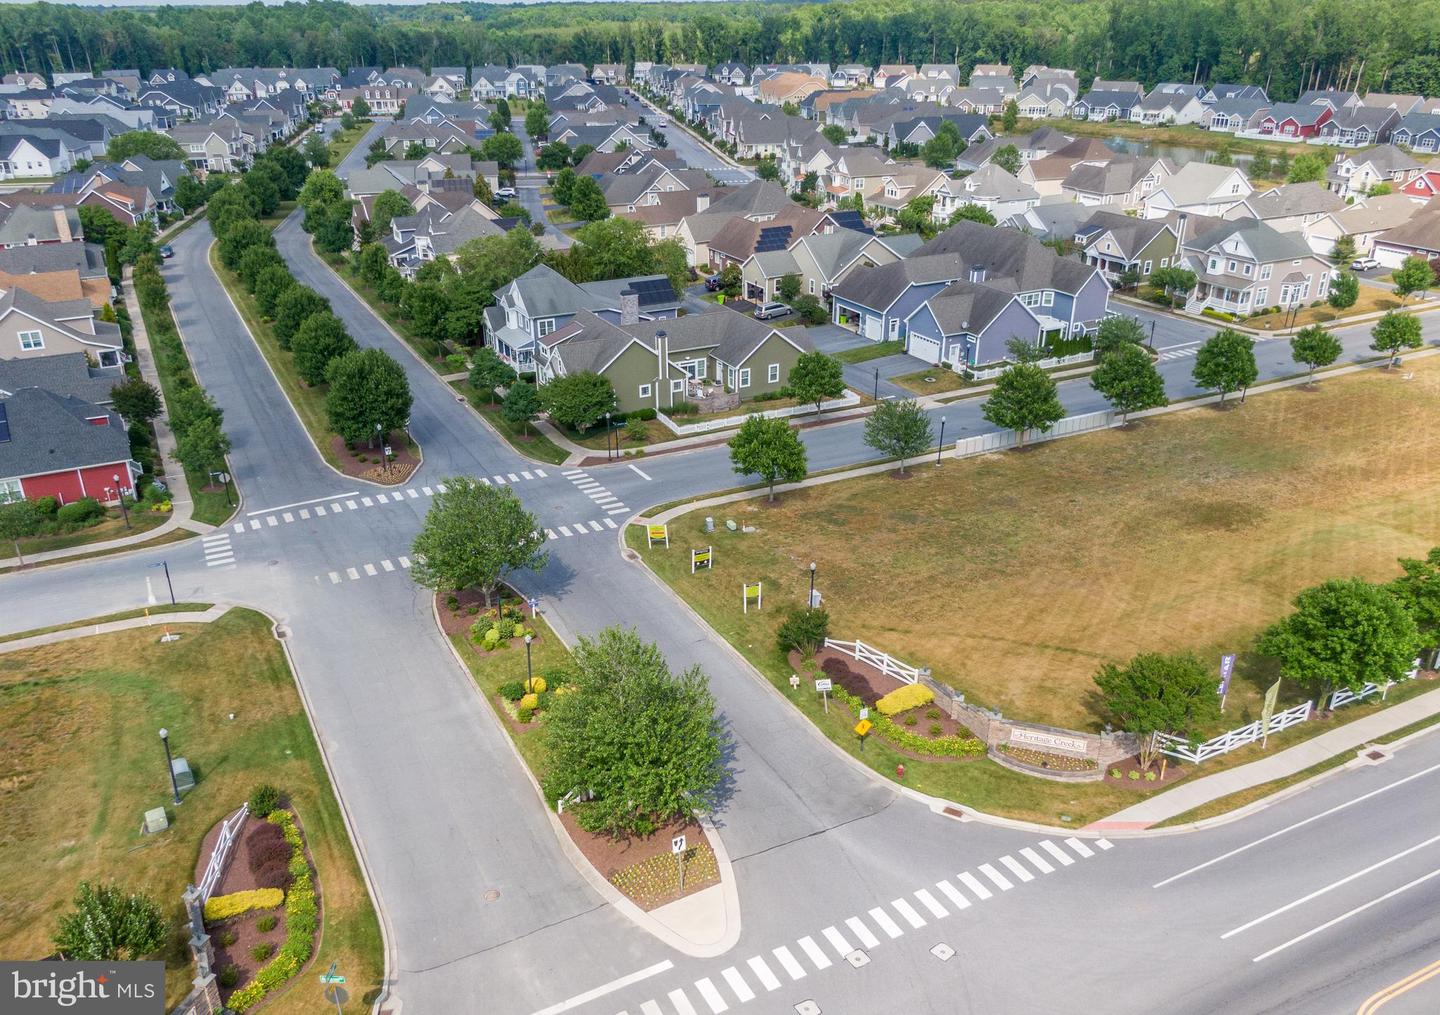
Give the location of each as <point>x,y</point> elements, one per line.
<point>977,273</point>
<point>1179,230</point>
<point>702,201</point>
<point>629,307</point>
<point>662,378</point>
<point>62,225</point>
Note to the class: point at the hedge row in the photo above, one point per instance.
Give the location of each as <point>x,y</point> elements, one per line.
<point>937,747</point>
<point>302,918</point>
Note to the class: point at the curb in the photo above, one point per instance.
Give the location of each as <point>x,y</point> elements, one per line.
<point>608,892</point>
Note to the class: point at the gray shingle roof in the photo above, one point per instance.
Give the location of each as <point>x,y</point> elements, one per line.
<point>67,374</point>
<point>1266,242</point>
<point>49,433</point>
<point>965,307</point>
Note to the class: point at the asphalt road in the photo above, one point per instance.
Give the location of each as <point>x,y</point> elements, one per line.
<point>444,812</point>
<point>689,147</point>
<point>528,181</point>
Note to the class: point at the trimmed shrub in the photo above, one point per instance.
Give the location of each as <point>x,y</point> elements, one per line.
<point>266,923</point>
<point>264,798</point>
<point>225,938</point>
<point>803,630</point>
<point>535,685</point>
<point>939,747</point>
<point>222,907</point>
<point>530,701</point>
<point>230,975</point>
<point>86,509</point>
<point>46,505</point>
<point>262,951</point>
<point>512,690</point>
<point>524,714</point>
<point>904,698</point>
<point>301,920</point>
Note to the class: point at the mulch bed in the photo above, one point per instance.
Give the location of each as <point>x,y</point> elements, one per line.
<point>393,473</point>
<point>860,679</point>
<point>1048,759</point>
<point>238,878</point>
<point>1174,772</point>
<point>643,869</point>
<point>948,727</point>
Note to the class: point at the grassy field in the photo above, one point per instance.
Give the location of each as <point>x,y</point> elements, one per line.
<point>1370,301</point>
<point>872,350</point>
<point>1191,532</point>
<point>107,618</point>
<point>112,527</point>
<point>309,402</point>
<point>82,764</point>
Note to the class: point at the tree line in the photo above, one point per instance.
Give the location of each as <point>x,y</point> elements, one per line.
<point>1288,45</point>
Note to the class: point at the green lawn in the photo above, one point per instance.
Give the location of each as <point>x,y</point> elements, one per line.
<point>871,350</point>
<point>1191,532</point>
<point>344,141</point>
<point>309,402</point>
<point>175,535</point>
<point>111,527</point>
<point>108,618</point>
<point>531,442</point>
<point>82,765</point>
<point>930,381</point>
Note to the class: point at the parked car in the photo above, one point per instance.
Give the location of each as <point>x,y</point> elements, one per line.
<point>166,250</point>
<point>712,284</point>
<point>1364,263</point>
<point>506,192</point>
<point>768,311</point>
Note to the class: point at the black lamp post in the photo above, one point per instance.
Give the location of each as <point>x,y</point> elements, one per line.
<point>810,603</point>
<point>877,385</point>
<point>1152,333</point>
<point>166,565</point>
<point>170,764</point>
<point>941,446</point>
<point>120,495</point>
<point>529,671</point>
<point>607,437</point>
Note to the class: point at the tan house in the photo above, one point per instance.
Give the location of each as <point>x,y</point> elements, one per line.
<point>57,271</point>
<point>31,327</point>
<point>821,261</point>
<point>790,86</point>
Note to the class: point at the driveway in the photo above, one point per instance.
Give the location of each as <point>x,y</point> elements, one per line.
<point>872,376</point>
<point>831,338</point>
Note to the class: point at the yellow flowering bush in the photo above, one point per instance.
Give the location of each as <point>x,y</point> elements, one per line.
<point>905,698</point>
<point>222,907</point>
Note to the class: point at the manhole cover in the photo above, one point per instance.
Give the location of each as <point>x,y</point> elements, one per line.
<point>943,952</point>
<point>858,958</point>
<point>274,563</point>
<point>1376,756</point>
<point>807,1007</point>
<point>492,895</point>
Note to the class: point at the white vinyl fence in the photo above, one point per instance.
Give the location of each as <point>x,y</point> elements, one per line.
<point>987,373</point>
<point>1227,742</point>
<point>229,831</point>
<point>882,661</point>
<point>1003,440</point>
<point>849,400</point>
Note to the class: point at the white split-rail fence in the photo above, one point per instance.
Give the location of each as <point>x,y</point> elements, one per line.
<point>229,832</point>
<point>882,661</point>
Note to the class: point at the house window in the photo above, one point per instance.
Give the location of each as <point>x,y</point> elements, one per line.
<point>1261,294</point>
<point>32,340</point>
<point>1248,269</point>
<point>1164,262</point>
<point>745,377</point>
<point>10,491</point>
<point>644,391</point>
<point>1146,271</point>
<point>812,287</point>
<point>774,375</point>
<point>544,327</point>
<point>694,368</point>
<point>677,387</point>
<point>1048,298</point>
<point>730,377</point>
<point>1214,264</point>
<point>1230,266</point>
<point>894,328</point>
<point>1264,272</point>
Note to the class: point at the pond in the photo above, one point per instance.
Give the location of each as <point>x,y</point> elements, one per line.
<point>1178,154</point>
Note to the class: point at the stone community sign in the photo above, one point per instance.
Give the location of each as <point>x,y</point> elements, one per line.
<point>1047,741</point>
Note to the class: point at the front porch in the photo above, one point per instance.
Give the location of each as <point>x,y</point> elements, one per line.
<point>1212,296</point>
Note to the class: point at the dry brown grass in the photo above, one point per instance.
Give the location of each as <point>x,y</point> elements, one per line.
<point>1016,575</point>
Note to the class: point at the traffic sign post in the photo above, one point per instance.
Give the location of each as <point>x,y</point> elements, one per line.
<point>862,730</point>
<point>702,558</point>
<point>330,985</point>
<point>677,846</point>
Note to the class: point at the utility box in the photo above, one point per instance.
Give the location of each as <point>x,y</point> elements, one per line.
<point>184,778</point>
<point>156,821</point>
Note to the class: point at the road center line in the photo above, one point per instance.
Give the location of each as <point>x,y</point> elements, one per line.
<point>1299,824</point>
<point>1346,915</point>
<point>299,503</point>
<point>1333,885</point>
<point>607,988</point>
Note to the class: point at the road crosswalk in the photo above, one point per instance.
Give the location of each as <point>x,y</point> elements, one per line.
<point>330,506</point>
<point>218,551</point>
<point>1179,352</point>
<point>603,498</point>
<point>366,570</point>
<point>580,528</point>
<point>763,974</point>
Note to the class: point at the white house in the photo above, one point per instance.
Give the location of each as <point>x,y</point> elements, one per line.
<point>1198,188</point>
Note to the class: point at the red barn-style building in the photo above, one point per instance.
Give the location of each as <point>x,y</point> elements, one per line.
<point>63,447</point>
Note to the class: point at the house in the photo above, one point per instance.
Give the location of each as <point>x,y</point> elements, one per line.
<point>57,271</point>
<point>1067,296</point>
<point>757,200</point>
<point>1424,186</point>
<point>630,190</point>
<point>968,322</point>
<point>1244,265</point>
<point>68,374</point>
<point>1358,126</point>
<point>1334,99</point>
<point>1402,104</point>
<point>732,73</point>
<point>887,75</point>
<point>1198,188</point>
<point>183,99</point>
<point>604,137</point>
<point>542,301</point>
<point>1233,114</point>
<point>1116,244</point>
<point>1104,85</point>
<point>435,231</point>
<point>1355,175</point>
<point>1054,219</point>
<point>53,445</point>
<point>990,187</point>
<point>25,79</point>
<point>1223,92</point>
<point>1177,104</point>
<point>824,260</point>
<point>383,99</point>
<point>219,146</point>
<point>26,157</point>
<point>850,75</point>
<point>1364,222</point>
<point>31,327</point>
<point>1106,105</point>
<point>1125,180</point>
<point>789,87</point>
<point>739,238</point>
<point>654,364</point>
<point>1049,173</point>
<point>1293,121</point>
<point>1418,237</point>
<point>1045,100</point>
<point>27,225</point>
<point>1420,132</point>
<point>1290,207</point>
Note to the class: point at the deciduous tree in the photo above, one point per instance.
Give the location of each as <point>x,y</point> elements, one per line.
<point>770,449</point>
<point>473,536</point>
<point>202,446</point>
<point>814,378</point>
<point>899,429</point>
<point>369,395</point>
<point>321,339</point>
<point>136,400</point>
<point>578,401</point>
<point>1344,291</point>
<point>1154,694</point>
<point>1394,332</point>
<point>150,143</point>
<point>292,309</point>
<point>1414,275</point>
<point>1314,347</point>
<point>1116,332</point>
<point>489,372</point>
<point>587,201</point>
<point>1226,363</point>
<point>1024,398</point>
<point>1129,381</point>
<point>521,405</point>
<point>105,924</point>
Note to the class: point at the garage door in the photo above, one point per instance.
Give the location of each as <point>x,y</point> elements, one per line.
<point>924,348</point>
<point>873,323</point>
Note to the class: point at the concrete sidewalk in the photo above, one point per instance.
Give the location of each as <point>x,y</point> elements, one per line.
<point>88,630</point>
<point>1196,791</point>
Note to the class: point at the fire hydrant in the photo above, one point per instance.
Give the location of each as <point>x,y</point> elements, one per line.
<point>900,772</point>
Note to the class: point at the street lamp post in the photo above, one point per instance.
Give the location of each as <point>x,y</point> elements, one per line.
<point>120,495</point>
<point>170,764</point>
<point>166,565</point>
<point>941,446</point>
<point>810,603</point>
<point>1152,333</point>
<point>607,437</point>
<point>223,478</point>
<point>876,396</point>
<point>529,671</point>
<point>377,435</point>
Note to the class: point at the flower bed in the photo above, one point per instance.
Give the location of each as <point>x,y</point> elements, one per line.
<point>887,729</point>
<point>1044,759</point>
<point>655,881</point>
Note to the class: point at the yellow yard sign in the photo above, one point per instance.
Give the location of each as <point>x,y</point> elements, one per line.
<point>658,534</point>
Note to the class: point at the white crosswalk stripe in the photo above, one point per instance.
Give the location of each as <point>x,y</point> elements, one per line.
<point>387,565</point>
<point>812,951</point>
<point>304,514</point>
<point>762,972</point>
<point>999,880</point>
<point>320,510</point>
<point>1017,869</point>
<point>711,996</point>
<point>380,498</point>
<point>650,1008</point>
<point>565,531</point>
<point>526,475</point>
<point>550,534</point>
<point>367,502</point>
<point>354,574</point>
<point>608,523</point>
<point>681,1002</point>
<point>858,928</point>
<point>788,962</point>
<point>1065,858</point>
<point>404,561</point>
<point>889,926</point>
<point>907,911</point>
<point>737,984</point>
<point>334,577</point>
<point>239,526</point>
<point>837,941</point>
<point>370,570</point>
<point>1037,861</point>
<point>931,903</point>
<point>1079,847</point>
<point>1104,843</point>
<point>971,882</point>
<point>287,517</point>
<point>254,523</point>
<point>270,520</point>
<point>953,894</point>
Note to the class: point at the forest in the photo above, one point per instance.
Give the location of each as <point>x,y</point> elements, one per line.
<point>1289,45</point>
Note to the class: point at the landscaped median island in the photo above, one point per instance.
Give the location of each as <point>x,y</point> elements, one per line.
<point>81,718</point>
<point>1187,535</point>
<point>574,716</point>
<point>353,402</point>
